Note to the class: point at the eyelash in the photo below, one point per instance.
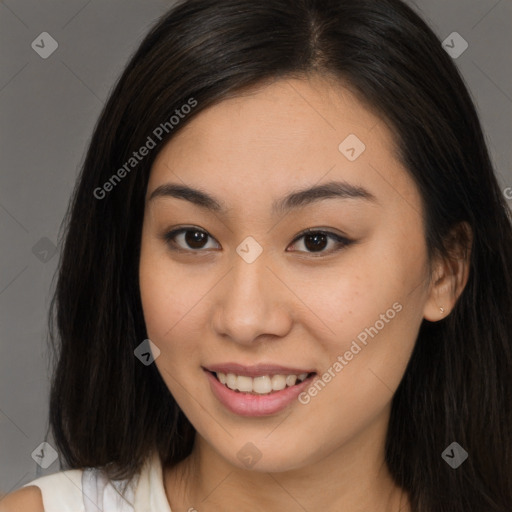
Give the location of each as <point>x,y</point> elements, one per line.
<point>340,240</point>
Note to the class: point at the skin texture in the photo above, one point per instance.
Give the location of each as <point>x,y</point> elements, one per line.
<point>291,306</point>
<point>28,499</point>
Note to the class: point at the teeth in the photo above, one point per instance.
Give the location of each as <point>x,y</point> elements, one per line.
<point>244,384</point>
<point>231,381</point>
<point>291,380</point>
<point>278,382</point>
<point>259,385</point>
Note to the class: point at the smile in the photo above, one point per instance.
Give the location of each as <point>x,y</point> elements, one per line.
<point>262,385</point>
<point>257,391</point>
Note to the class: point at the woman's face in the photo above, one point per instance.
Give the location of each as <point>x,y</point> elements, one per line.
<point>244,292</point>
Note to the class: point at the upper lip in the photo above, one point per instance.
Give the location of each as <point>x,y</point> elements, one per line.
<point>255,370</point>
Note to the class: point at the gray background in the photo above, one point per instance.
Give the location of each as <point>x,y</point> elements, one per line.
<point>48,110</point>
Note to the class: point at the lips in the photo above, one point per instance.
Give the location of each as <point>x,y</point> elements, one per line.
<point>257,390</point>
<point>257,370</point>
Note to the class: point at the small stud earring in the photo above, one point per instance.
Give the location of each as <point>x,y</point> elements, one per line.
<point>442,310</point>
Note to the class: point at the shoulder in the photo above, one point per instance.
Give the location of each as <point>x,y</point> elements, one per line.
<point>27,498</point>
<point>69,490</point>
<point>61,491</point>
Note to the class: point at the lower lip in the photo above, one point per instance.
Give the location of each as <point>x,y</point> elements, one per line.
<point>246,404</point>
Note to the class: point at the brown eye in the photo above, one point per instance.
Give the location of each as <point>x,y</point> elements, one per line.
<point>194,239</point>
<point>188,238</point>
<point>317,241</point>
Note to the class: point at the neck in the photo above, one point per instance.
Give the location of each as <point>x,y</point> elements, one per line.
<point>352,478</point>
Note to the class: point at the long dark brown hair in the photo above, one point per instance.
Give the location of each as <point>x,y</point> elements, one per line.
<point>109,410</point>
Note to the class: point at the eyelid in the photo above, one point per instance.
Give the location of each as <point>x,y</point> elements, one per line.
<point>170,235</point>
<point>340,239</point>
<point>325,231</point>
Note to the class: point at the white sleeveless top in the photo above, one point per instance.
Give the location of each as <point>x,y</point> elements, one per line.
<point>87,490</point>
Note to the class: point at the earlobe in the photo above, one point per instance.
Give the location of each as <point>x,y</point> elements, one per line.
<point>441,298</point>
<point>450,275</point>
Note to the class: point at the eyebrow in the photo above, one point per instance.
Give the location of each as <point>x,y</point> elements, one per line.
<point>296,199</point>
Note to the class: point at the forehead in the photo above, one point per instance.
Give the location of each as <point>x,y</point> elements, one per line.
<point>292,132</point>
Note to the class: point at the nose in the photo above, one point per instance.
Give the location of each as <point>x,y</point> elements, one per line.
<point>252,304</point>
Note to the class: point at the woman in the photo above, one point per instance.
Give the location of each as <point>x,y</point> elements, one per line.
<point>286,277</point>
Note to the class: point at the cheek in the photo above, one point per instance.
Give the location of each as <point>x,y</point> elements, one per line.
<point>174,300</point>
<point>369,291</point>
<point>166,295</point>
<point>374,309</point>
<point>363,367</point>
<point>163,306</point>
<point>169,318</point>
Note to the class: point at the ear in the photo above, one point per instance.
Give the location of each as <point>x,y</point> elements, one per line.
<point>449,273</point>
